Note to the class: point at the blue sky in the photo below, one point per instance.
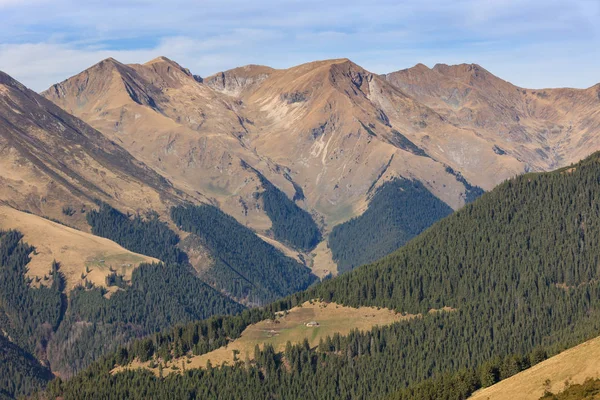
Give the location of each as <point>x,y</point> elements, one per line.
<point>534,44</point>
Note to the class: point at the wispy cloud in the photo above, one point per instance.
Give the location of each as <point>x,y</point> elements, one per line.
<point>538,43</point>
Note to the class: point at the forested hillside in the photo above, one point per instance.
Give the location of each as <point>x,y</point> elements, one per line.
<point>148,235</point>
<point>244,265</point>
<point>518,269</point>
<point>291,224</point>
<point>38,321</point>
<point>20,372</point>
<point>27,315</point>
<point>399,210</point>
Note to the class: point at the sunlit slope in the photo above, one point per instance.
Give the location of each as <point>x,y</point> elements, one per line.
<point>574,366</point>
<point>82,256</point>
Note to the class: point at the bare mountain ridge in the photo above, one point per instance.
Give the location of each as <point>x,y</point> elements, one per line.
<point>52,160</point>
<point>545,128</point>
<point>364,119</point>
<point>279,122</point>
<point>328,133</point>
<point>166,118</point>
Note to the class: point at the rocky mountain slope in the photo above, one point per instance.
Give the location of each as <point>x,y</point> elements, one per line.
<point>55,165</point>
<point>325,132</point>
<point>329,133</point>
<point>68,296</point>
<point>545,129</point>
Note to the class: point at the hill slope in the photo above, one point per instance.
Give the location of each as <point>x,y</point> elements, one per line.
<point>54,164</point>
<point>57,166</point>
<point>64,319</point>
<point>80,254</point>
<point>20,372</point>
<point>518,266</point>
<point>574,365</point>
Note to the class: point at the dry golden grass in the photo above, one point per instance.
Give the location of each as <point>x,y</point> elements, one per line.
<point>575,365</point>
<point>73,249</point>
<point>332,318</point>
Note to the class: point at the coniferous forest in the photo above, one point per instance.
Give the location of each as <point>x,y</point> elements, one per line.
<point>71,332</point>
<point>148,235</point>
<point>291,224</point>
<point>20,372</point>
<point>516,269</point>
<point>245,265</point>
<point>399,210</point>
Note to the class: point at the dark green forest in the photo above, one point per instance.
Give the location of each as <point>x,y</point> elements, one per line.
<point>159,297</point>
<point>290,224</point>
<point>246,266</point>
<point>27,316</point>
<point>69,334</point>
<point>399,210</point>
<point>518,267</point>
<point>20,372</point>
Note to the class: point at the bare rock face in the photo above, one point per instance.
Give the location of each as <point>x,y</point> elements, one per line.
<point>235,81</point>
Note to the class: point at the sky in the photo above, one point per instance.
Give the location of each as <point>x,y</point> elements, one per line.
<point>533,44</point>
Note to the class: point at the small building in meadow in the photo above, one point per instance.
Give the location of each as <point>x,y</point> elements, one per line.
<point>312,324</point>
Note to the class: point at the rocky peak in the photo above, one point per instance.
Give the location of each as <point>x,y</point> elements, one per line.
<point>235,81</point>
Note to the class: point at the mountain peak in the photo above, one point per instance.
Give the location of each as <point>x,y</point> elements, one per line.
<point>421,67</point>
<point>160,59</point>
<point>168,70</point>
<point>107,62</point>
<point>461,70</point>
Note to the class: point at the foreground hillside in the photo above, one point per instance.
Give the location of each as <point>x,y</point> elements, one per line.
<point>572,366</point>
<point>518,267</point>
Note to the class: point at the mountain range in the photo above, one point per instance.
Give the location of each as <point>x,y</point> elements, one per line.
<point>329,133</point>
<point>136,197</point>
